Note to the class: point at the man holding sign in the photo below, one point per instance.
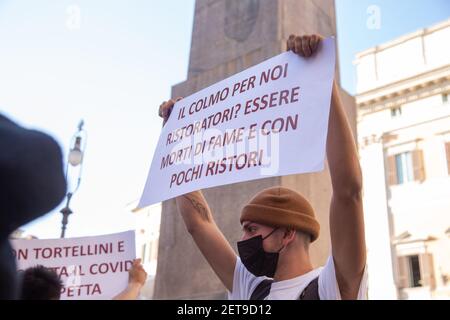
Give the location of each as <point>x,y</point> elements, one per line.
<point>279,224</point>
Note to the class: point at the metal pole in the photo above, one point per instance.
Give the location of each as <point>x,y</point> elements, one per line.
<point>66,212</point>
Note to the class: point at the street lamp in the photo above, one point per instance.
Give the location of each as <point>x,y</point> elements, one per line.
<point>75,159</point>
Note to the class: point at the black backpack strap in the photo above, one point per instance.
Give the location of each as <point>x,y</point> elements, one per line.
<point>311,292</point>
<point>262,290</point>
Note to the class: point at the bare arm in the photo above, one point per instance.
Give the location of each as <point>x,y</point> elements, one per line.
<point>209,239</point>
<point>346,211</point>
<point>200,224</point>
<point>136,280</point>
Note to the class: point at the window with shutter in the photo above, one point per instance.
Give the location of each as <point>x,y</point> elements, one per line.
<point>426,265</point>
<point>418,165</point>
<point>415,274</point>
<point>391,171</point>
<point>403,272</point>
<point>404,169</point>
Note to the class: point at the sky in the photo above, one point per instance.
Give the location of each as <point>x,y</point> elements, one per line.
<point>111,63</point>
<point>112,69</point>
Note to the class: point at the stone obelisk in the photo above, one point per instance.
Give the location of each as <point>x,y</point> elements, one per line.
<point>230,36</point>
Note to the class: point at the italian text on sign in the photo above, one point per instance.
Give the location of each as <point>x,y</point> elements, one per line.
<point>268,120</point>
<point>89,267</point>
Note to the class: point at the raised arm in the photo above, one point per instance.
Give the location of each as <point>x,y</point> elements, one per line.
<point>346,211</point>
<point>200,224</point>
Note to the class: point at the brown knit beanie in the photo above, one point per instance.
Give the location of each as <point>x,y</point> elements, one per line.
<point>282,207</point>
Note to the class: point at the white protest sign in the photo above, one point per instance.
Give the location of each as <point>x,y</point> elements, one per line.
<point>89,267</point>
<point>268,120</point>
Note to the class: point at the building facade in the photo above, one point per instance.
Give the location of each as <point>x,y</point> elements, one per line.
<point>148,222</point>
<point>403,124</point>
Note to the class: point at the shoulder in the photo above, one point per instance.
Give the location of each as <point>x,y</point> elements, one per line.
<point>244,282</point>
<point>329,287</point>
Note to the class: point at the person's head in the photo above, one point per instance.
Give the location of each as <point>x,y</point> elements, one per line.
<point>40,283</point>
<point>277,221</point>
<point>275,238</point>
<point>32,183</point>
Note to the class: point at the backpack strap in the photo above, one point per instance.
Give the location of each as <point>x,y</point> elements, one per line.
<point>262,290</point>
<point>311,292</point>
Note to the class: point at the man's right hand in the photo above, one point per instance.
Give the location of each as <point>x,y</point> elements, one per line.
<point>165,109</point>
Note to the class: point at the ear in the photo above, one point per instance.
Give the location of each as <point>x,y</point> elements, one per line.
<point>289,235</point>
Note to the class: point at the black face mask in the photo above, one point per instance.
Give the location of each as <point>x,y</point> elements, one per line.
<point>255,259</point>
